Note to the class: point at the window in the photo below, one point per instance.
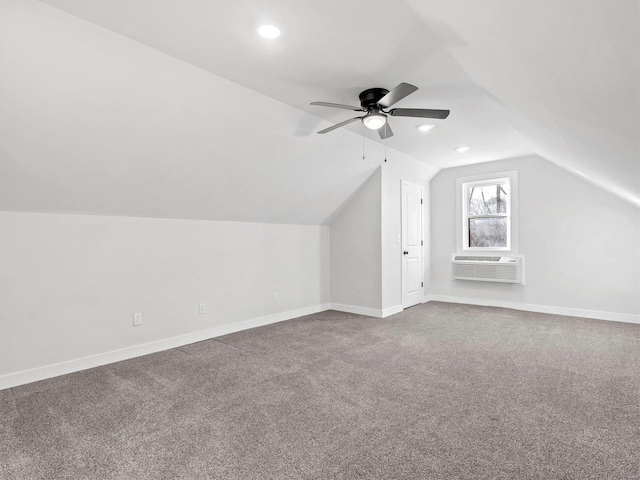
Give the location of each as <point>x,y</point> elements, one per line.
<point>485,214</point>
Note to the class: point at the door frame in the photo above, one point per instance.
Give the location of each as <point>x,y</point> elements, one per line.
<point>402,233</point>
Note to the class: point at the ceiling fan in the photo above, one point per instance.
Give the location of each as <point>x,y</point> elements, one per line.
<point>374,101</point>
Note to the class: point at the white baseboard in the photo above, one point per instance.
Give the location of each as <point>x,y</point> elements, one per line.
<point>391,311</point>
<point>70,366</point>
<point>529,307</point>
<point>369,312</point>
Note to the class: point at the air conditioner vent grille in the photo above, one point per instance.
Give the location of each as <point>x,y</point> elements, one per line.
<point>478,259</point>
<point>488,269</point>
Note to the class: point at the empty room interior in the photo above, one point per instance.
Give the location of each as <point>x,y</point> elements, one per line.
<point>319,239</point>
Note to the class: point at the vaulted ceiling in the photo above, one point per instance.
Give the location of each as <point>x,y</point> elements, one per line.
<point>567,72</point>
<point>330,51</point>
<point>175,108</point>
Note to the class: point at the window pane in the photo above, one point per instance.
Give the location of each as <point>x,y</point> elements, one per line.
<point>488,232</point>
<point>488,199</point>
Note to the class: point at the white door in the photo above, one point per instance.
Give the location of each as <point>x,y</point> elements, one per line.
<point>412,271</point>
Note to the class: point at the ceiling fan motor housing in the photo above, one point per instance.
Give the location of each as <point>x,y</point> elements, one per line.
<point>370,97</point>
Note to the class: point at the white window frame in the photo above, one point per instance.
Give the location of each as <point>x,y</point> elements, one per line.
<point>463,186</point>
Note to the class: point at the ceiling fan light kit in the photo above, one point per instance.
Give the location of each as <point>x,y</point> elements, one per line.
<point>374,120</point>
<point>373,101</point>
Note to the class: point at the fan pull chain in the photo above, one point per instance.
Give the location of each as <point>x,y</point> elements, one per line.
<point>385,142</point>
<point>363,141</point>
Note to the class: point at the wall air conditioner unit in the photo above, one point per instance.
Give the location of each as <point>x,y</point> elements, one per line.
<point>488,268</point>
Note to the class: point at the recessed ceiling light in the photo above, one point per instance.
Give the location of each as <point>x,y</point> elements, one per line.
<point>425,128</point>
<point>461,149</point>
<point>269,31</point>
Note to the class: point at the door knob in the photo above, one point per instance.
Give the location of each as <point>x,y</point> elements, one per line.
<point>405,253</point>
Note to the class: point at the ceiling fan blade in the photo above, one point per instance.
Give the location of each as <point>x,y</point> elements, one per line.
<point>338,105</point>
<point>397,94</point>
<point>338,125</point>
<point>385,131</point>
<point>419,112</point>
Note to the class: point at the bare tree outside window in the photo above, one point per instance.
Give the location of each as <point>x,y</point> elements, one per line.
<point>488,215</point>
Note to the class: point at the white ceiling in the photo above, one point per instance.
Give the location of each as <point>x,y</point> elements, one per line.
<point>568,72</point>
<point>330,51</point>
<point>560,79</point>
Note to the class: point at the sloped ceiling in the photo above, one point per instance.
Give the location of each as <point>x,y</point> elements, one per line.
<point>568,73</point>
<point>93,122</point>
<point>330,51</point>
<point>178,109</point>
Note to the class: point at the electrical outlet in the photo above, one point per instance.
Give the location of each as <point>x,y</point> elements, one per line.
<point>137,319</point>
<point>201,308</point>
<point>275,297</point>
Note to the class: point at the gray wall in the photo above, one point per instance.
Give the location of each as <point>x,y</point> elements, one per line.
<point>69,284</point>
<point>356,265</point>
<point>582,244</point>
<point>394,172</point>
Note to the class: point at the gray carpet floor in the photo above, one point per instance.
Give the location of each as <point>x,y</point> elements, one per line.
<point>439,391</point>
